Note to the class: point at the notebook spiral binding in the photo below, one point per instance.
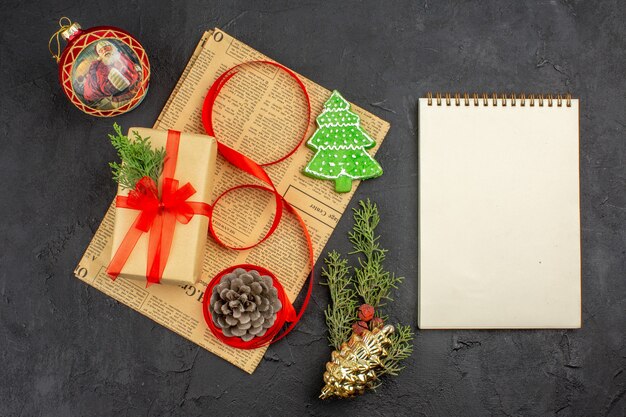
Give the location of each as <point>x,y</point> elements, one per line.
<point>499,99</point>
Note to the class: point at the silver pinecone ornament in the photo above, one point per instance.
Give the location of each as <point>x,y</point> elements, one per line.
<point>244,304</point>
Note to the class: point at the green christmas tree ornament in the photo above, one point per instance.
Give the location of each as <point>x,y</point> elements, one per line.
<point>340,144</point>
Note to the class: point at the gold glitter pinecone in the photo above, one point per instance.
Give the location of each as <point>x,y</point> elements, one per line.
<point>353,368</point>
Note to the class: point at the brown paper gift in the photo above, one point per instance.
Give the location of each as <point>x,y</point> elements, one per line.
<point>195,164</point>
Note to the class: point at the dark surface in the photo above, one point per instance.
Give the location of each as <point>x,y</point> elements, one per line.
<point>68,350</point>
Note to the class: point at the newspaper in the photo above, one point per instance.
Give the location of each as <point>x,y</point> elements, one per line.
<point>261,112</point>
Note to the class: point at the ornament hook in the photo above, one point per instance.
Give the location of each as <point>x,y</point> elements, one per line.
<point>63,27</point>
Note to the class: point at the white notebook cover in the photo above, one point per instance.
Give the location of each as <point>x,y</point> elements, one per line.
<point>499,215</point>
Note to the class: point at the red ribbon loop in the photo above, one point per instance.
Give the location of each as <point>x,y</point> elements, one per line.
<point>287,314</point>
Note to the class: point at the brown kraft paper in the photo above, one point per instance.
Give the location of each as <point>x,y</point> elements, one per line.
<point>196,165</point>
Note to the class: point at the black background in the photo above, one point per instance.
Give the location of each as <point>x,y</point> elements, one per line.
<point>68,350</point>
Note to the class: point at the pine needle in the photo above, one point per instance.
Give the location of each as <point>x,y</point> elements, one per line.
<point>401,348</point>
<point>342,311</point>
<point>373,282</point>
<point>138,159</point>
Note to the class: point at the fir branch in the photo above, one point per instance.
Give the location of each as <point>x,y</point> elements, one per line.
<point>373,283</point>
<point>401,348</point>
<point>138,159</point>
<point>342,311</point>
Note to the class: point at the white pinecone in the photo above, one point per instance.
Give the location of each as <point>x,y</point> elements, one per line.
<point>244,304</point>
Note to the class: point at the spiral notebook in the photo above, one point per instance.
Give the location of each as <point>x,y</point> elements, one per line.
<point>499,212</point>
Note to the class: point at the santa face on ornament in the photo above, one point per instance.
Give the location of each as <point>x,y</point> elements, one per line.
<point>106,75</point>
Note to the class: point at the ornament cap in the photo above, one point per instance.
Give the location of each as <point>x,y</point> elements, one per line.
<point>71,31</point>
<point>388,329</point>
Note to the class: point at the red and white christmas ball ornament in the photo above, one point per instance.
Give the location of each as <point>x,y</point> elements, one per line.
<point>104,71</point>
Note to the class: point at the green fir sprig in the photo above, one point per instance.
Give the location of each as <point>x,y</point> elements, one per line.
<point>373,282</point>
<point>401,348</point>
<point>370,282</point>
<point>138,159</point>
<point>342,312</point>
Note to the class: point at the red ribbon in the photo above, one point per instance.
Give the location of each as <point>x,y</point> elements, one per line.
<point>157,215</point>
<point>287,314</point>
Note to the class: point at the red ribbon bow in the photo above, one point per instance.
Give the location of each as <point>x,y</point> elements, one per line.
<point>145,198</point>
<point>157,215</point>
